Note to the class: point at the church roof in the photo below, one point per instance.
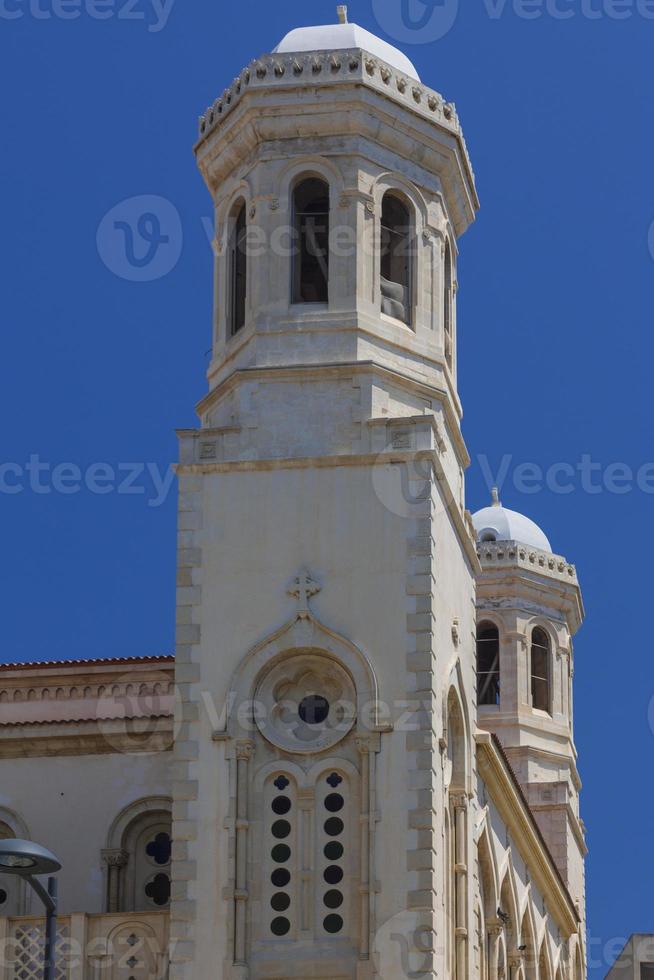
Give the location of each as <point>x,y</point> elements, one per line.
<point>342,37</point>
<point>497,523</point>
<point>92,662</point>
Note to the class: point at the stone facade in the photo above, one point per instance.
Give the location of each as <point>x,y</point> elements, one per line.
<point>341,806</point>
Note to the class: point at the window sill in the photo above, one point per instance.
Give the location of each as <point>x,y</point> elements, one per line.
<point>313,307</point>
<point>395,322</point>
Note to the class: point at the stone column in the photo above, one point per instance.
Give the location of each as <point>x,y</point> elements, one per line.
<point>364,842</point>
<point>516,966</point>
<point>244,753</point>
<point>115,859</point>
<point>306,808</point>
<point>494,930</point>
<point>460,807</point>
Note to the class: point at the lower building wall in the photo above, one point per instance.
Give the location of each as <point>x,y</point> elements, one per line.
<point>114,947</point>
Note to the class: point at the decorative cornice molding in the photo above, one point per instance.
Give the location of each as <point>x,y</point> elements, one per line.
<point>512,552</point>
<point>519,820</point>
<point>326,68</point>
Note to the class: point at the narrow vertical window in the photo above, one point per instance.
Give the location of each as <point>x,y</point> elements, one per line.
<point>448,303</point>
<point>238,272</point>
<point>280,863</point>
<point>540,670</point>
<point>488,664</point>
<point>311,261</point>
<point>396,239</point>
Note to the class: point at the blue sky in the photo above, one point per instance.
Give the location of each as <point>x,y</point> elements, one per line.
<point>100,105</point>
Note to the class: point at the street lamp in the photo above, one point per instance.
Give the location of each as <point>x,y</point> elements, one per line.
<point>25,859</point>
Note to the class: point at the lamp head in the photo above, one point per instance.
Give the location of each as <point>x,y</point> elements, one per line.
<point>24,858</point>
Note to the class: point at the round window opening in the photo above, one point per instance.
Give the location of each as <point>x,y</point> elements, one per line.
<point>314,709</point>
<point>309,703</point>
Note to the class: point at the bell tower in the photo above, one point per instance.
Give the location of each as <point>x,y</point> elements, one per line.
<point>325,637</point>
<point>529,607</point>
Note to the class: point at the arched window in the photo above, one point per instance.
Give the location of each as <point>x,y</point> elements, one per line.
<point>237,271</point>
<point>311,224</point>
<point>540,669</point>
<point>488,664</point>
<point>138,862</point>
<point>396,246</point>
<point>448,301</point>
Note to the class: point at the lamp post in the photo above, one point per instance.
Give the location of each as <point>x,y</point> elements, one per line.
<point>25,859</point>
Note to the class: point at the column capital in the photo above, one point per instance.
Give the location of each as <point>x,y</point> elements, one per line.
<point>115,857</point>
<point>494,928</point>
<point>244,750</point>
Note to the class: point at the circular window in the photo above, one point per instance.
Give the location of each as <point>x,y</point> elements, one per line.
<point>280,877</point>
<point>280,853</point>
<point>334,826</point>
<point>308,701</point>
<point>333,874</point>
<point>334,802</point>
<point>333,850</point>
<point>281,829</point>
<point>3,896</point>
<point>333,899</point>
<point>281,805</point>
<point>280,926</point>
<point>281,901</point>
<point>333,923</point>
<point>314,709</point>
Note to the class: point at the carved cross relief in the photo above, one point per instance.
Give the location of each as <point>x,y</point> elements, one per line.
<point>303,589</point>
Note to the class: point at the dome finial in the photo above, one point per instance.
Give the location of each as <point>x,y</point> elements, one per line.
<point>495,497</point>
<point>341,10</point>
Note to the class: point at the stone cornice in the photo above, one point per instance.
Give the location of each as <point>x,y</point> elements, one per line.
<point>193,465</point>
<point>89,737</point>
<point>408,346</point>
<point>277,84</point>
<point>493,554</point>
<point>511,570</point>
<point>79,692</point>
<point>514,810</point>
<point>318,372</point>
<point>324,68</point>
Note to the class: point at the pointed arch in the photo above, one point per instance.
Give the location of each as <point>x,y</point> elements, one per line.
<point>527,940</point>
<point>457,742</point>
<point>509,908</point>
<point>544,966</point>
<point>487,874</point>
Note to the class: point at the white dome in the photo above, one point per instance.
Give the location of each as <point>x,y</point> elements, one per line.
<point>339,37</point>
<point>496,523</point>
